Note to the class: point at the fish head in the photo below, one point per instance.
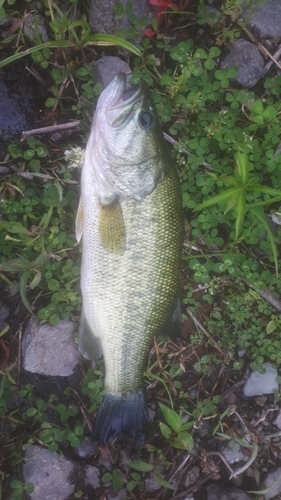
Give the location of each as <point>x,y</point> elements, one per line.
<point>128,150</point>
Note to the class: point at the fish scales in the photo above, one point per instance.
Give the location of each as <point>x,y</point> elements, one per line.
<point>124,300</point>
<point>130,292</point>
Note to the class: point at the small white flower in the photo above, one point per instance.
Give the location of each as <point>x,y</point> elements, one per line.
<point>74,157</point>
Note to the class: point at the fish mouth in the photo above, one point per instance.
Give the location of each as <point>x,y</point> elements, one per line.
<point>126,93</point>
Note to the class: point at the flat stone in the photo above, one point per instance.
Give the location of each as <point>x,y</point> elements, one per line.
<point>277,421</point>
<point>107,67</point>
<point>220,492</point>
<point>261,383</point>
<point>103,18</point>
<point>50,350</point>
<point>92,476</point>
<point>87,448</point>
<point>34,22</point>
<point>117,495</point>
<point>151,484</point>
<point>233,452</point>
<point>192,476</point>
<point>247,58</point>
<point>49,473</point>
<point>265,20</point>
<point>274,476</point>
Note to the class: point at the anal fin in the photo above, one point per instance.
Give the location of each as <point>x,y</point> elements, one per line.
<point>88,343</point>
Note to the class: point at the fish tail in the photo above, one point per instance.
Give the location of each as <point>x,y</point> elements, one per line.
<point>123,415</point>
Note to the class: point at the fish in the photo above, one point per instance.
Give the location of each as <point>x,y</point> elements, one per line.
<point>130,220</point>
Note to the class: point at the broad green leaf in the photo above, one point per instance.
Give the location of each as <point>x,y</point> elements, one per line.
<point>131,486</point>
<point>258,119</point>
<point>271,326</point>
<point>187,440</point>
<point>171,417</point>
<point>14,265</point>
<point>29,487</point>
<point>214,52</point>
<point>270,113</point>
<point>140,465</point>
<point>165,430</point>
<point>257,107</point>
<point>106,478</point>
<point>117,479</point>
<point>201,54</point>
<point>162,481</point>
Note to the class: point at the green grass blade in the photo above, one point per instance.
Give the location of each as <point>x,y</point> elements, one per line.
<point>23,283</point>
<point>243,167</point>
<point>265,189</point>
<point>219,198</point>
<point>98,39</point>
<point>101,39</point>
<point>240,214</point>
<point>271,239</point>
<point>31,50</point>
<point>266,202</point>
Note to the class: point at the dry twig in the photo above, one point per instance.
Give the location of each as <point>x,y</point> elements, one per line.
<point>207,334</point>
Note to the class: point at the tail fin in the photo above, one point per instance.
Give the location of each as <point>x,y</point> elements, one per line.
<point>125,416</point>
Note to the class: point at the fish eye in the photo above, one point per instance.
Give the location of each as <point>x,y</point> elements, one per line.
<point>146,119</point>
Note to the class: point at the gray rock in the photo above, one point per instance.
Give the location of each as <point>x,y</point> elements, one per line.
<point>50,350</point>
<point>5,170</point>
<point>191,476</point>
<point>273,478</point>
<point>49,473</point>
<point>277,421</point>
<point>107,67</point>
<point>219,492</point>
<point>265,20</point>
<point>151,484</point>
<point>103,18</point>
<point>34,22</point>
<point>213,15</point>
<point>233,452</point>
<point>86,449</point>
<point>247,57</point>
<point>262,383</point>
<point>4,313</point>
<point>92,476</point>
<point>117,495</point>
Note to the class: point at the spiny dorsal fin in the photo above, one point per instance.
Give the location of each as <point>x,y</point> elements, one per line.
<point>79,221</point>
<point>111,227</point>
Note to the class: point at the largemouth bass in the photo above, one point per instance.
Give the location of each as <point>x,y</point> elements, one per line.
<point>130,217</point>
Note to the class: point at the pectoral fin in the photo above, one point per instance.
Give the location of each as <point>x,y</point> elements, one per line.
<point>88,342</point>
<point>79,221</point>
<point>111,227</point>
